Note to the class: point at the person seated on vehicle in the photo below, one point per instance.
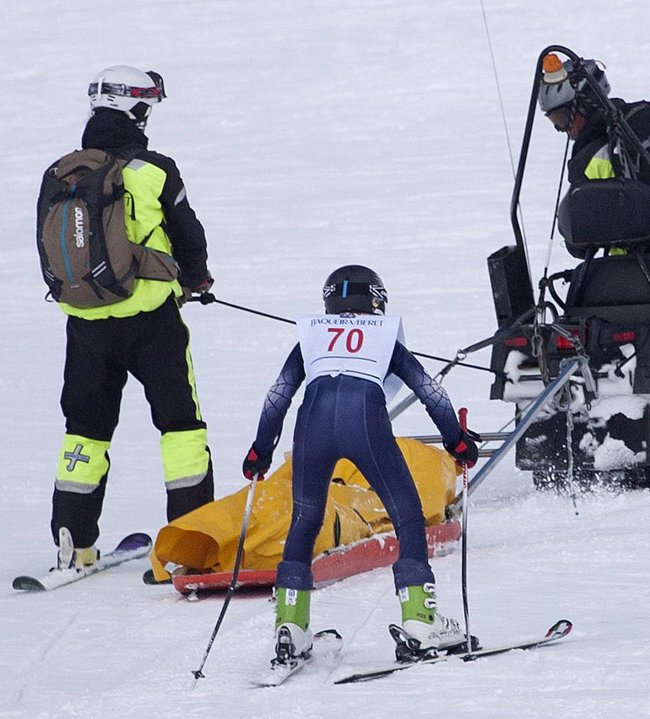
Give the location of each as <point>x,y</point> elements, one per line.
<point>592,214</point>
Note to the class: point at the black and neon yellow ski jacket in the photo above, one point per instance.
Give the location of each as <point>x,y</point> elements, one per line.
<point>156,205</point>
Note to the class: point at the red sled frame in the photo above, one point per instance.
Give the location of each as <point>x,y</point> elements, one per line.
<point>329,567</point>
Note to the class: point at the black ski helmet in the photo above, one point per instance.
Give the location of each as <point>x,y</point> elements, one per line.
<point>354,288</point>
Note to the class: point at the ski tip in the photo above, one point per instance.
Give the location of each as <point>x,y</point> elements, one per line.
<point>559,629</point>
<point>137,540</point>
<point>328,635</point>
<point>28,584</point>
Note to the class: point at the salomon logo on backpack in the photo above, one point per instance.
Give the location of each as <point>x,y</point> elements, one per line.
<point>86,257</point>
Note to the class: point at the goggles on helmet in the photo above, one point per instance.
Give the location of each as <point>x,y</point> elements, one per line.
<point>112,88</point>
<point>158,82</point>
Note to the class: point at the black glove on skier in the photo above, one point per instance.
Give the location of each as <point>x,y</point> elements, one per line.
<point>254,464</point>
<point>199,288</point>
<point>203,286</point>
<point>465,451</point>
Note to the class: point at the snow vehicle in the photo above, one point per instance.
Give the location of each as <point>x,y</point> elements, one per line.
<point>598,310</point>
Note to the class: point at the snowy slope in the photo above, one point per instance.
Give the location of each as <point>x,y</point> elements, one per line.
<point>310,134</point>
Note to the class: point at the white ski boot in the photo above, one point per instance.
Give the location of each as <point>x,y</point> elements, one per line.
<point>422,622</point>
<point>292,641</point>
<point>71,557</point>
<point>292,634</point>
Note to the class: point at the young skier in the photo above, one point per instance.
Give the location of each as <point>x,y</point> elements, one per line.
<point>349,357</point>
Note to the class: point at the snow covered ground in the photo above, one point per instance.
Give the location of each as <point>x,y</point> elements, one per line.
<point>310,134</point>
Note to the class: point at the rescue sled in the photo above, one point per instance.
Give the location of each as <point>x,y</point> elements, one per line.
<point>329,567</point>
<point>199,549</point>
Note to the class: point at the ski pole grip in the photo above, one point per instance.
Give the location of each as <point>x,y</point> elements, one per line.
<point>462,418</point>
<point>205,298</point>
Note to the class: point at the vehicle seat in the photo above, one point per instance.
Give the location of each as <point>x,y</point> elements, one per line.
<point>615,289</point>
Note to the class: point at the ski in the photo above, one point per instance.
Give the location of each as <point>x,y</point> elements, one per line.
<point>558,631</point>
<point>327,643</point>
<point>279,673</point>
<point>132,546</point>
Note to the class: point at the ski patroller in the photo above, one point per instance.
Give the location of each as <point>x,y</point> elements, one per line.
<point>327,644</point>
<point>133,546</point>
<point>558,631</point>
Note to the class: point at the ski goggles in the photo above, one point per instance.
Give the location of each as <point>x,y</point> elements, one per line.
<point>112,88</point>
<point>561,117</point>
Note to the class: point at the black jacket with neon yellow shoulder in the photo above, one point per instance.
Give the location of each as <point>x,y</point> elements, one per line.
<point>162,213</point>
<point>595,155</point>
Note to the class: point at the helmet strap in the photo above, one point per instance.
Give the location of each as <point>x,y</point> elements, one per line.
<point>139,114</point>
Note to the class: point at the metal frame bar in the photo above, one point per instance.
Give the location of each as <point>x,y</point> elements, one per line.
<point>570,367</point>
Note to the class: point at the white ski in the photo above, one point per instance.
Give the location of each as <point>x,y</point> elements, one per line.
<point>132,546</point>
<point>558,631</point>
<point>327,643</point>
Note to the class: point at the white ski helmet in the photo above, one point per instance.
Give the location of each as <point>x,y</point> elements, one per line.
<point>558,87</point>
<point>128,89</point>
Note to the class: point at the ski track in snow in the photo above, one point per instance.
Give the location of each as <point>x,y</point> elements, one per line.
<point>311,135</point>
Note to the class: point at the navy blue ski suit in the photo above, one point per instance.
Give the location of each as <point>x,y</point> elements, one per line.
<point>346,417</point>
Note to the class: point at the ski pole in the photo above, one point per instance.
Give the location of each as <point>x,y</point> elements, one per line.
<point>462,419</point>
<point>569,446</point>
<point>207,298</point>
<point>198,673</point>
<point>567,369</point>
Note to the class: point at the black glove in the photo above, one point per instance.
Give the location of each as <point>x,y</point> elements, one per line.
<point>203,286</point>
<point>198,288</point>
<point>465,451</point>
<point>254,464</point>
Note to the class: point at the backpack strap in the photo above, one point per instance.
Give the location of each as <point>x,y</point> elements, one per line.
<point>130,152</point>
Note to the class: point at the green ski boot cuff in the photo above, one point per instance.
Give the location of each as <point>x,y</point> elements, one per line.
<point>292,607</point>
<point>418,602</point>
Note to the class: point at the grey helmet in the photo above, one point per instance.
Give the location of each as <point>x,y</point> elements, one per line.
<point>559,88</point>
<point>354,288</point>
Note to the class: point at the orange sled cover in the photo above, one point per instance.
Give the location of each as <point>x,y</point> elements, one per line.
<point>357,535</point>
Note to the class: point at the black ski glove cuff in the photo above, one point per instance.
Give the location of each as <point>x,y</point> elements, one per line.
<point>254,464</point>
<point>465,450</point>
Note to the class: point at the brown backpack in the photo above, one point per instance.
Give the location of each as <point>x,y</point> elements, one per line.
<point>86,257</point>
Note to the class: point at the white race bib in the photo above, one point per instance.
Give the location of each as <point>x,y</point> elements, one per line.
<point>357,345</point>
